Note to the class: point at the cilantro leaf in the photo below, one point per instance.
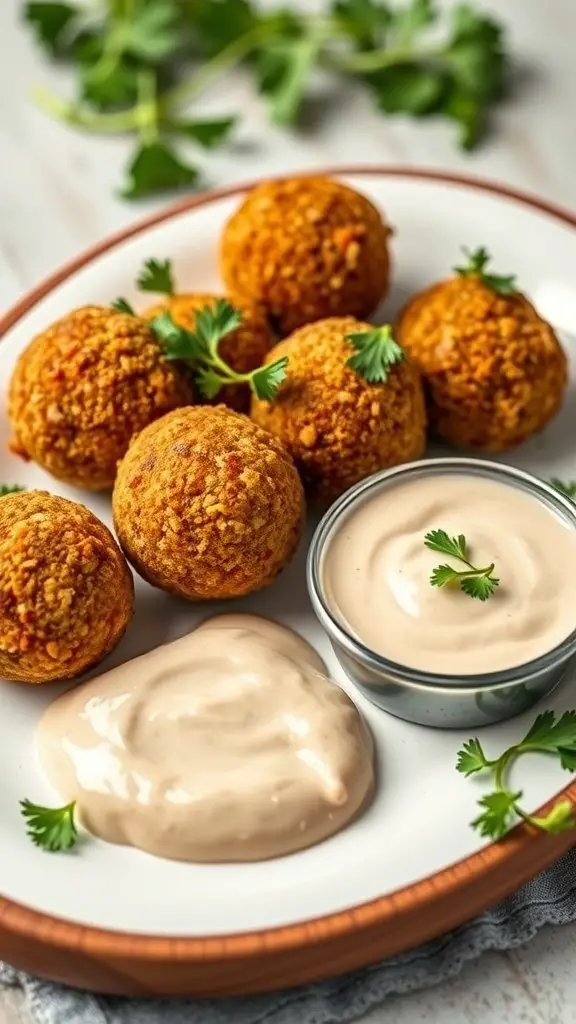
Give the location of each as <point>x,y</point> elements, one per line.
<point>51,828</point>
<point>221,22</point>
<point>177,342</point>
<point>408,89</point>
<point>442,575</point>
<point>50,22</point>
<point>214,322</point>
<point>478,260</point>
<point>209,382</point>
<point>10,489</point>
<point>376,353</point>
<point>156,276</point>
<point>153,31</point>
<point>364,21</point>
<point>407,22</point>
<point>549,733</point>
<point>285,66</point>
<point>498,813</point>
<point>155,167</point>
<point>439,540</point>
<point>471,758</point>
<point>266,380</point>
<point>119,86</point>
<point>481,586</point>
<point>122,306</point>
<point>208,134</point>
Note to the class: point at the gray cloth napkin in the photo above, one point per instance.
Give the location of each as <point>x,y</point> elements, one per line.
<point>549,899</point>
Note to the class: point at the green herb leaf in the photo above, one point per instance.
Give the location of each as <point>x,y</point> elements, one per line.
<point>51,22</point>
<point>154,32</point>
<point>481,586</point>
<point>157,168</point>
<point>220,22</point>
<point>376,353</point>
<point>473,581</point>
<point>122,306</point>
<point>266,381</point>
<point>364,21</point>
<point>552,734</point>
<point>408,89</point>
<point>471,758</point>
<point>548,735</point>
<point>10,489</point>
<point>285,66</point>
<point>439,540</point>
<point>209,382</point>
<point>51,828</point>
<point>177,342</point>
<point>409,21</point>
<point>156,276</point>
<point>208,134</point>
<point>442,575</point>
<point>498,814</point>
<point>567,487</point>
<point>478,260</point>
<point>118,87</point>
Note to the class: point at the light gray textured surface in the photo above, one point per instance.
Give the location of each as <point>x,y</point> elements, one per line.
<point>56,197</point>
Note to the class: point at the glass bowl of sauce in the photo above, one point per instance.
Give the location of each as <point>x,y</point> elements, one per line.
<point>441,655</point>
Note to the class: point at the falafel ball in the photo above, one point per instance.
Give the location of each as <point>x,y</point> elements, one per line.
<point>243,349</point>
<point>207,505</point>
<point>495,372</point>
<point>307,248</point>
<point>83,387</point>
<point>66,593</point>
<point>338,427</point>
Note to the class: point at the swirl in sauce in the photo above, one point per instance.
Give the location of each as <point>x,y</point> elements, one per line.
<point>229,744</point>
<point>376,573</point>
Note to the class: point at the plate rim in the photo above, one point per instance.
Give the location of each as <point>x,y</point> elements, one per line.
<point>380,927</point>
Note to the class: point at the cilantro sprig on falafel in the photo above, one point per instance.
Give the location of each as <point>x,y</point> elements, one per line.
<point>376,352</point>
<point>478,260</point>
<point>199,348</point>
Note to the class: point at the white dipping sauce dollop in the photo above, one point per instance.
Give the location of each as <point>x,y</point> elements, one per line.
<point>376,575</point>
<point>229,744</point>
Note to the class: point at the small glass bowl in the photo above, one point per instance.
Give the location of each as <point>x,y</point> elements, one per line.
<point>429,698</point>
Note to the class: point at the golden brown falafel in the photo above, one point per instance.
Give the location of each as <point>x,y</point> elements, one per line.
<point>83,387</point>
<point>306,248</point>
<point>207,505</point>
<point>495,372</point>
<point>66,593</point>
<point>243,349</point>
<point>338,427</point>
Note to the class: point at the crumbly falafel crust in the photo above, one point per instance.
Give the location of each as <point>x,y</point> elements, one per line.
<point>338,427</point>
<point>307,248</point>
<point>207,505</point>
<point>244,349</point>
<point>495,372</point>
<point>83,387</point>
<point>66,593</point>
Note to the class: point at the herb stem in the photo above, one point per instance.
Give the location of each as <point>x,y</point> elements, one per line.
<point>147,108</point>
<point>379,60</point>
<point>227,58</point>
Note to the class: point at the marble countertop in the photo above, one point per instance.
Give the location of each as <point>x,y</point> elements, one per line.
<point>57,197</point>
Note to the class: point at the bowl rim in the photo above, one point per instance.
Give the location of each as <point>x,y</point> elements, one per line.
<point>117,961</point>
<point>356,496</point>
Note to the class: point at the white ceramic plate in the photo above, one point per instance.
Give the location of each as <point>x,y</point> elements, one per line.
<point>419,821</point>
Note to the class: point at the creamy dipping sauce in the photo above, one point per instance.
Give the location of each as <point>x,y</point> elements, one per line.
<point>229,744</point>
<point>376,571</point>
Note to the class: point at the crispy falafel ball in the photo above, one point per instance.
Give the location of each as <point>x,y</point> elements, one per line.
<point>243,349</point>
<point>495,372</point>
<point>338,427</point>
<point>207,505</point>
<point>66,593</point>
<point>307,248</point>
<point>83,387</point>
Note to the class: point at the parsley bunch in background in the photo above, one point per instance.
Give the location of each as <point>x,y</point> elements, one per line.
<point>140,65</point>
